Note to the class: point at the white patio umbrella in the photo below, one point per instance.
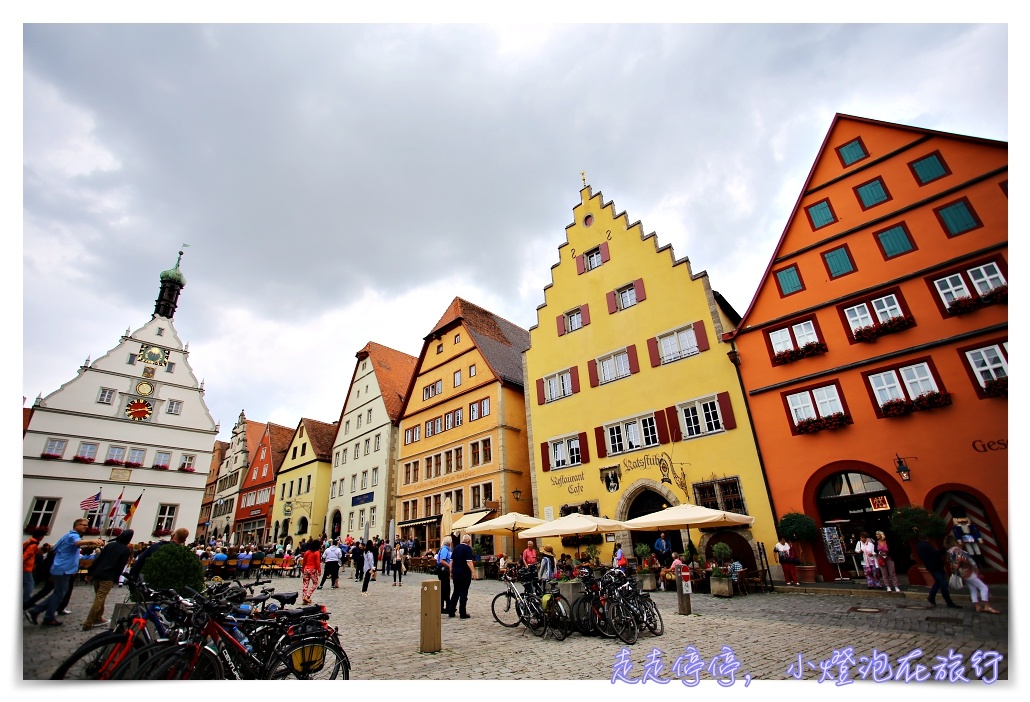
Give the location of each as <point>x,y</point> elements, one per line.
<point>505,525</point>
<point>687,515</point>
<point>572,524</point>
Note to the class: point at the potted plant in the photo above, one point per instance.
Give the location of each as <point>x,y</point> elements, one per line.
<point>801,529</point>
<point>593,552</point>
<point>909,523</point>
<point>644,572</point>
<point>721,582</point>
<point>477,552</point>
<point>569,586</point>
<point>174,567</point>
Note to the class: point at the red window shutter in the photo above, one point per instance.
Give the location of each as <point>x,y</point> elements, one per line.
<point>602,449</point>
<point>585,311</point>
<point>581,265</point>
<point>652,352</point>
<point>574,377</point>
<point>610,297</point>
<point>592,372</point>
<point>701,335</point>
<point>584,450</point>
<point>605,256</point>
<point>561,325</point>
<point>545,457</point>
<point>726,410</point>
<point>631,356</point>
<point>672,416</point>
<point>540,399</point>
<point>638,286</point>
<point>662,427</point>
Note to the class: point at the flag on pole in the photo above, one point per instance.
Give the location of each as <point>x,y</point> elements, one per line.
<point>91,502</point>
<point>114,508</point>
<point>132,509</point>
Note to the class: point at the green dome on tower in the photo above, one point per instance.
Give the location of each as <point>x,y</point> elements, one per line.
<point>174,275</point>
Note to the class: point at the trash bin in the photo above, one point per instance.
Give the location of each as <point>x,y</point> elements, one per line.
<point>683,589</point>
<point>429,641</point>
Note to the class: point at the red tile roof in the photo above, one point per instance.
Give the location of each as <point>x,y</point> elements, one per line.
<point>321,436</point>
<point>279,438</point>
<point>500,341</point>
<point>394,371</point>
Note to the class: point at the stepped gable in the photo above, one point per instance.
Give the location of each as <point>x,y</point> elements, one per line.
<point>321,436</point>
<point>279,437</point>
<point>500,341</point>
<point>394,371</point>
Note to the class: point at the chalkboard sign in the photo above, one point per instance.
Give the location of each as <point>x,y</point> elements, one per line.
<point>833,544</point>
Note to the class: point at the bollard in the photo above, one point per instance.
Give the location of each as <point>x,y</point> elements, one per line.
<point>429,641</point>
<point>683,589</point>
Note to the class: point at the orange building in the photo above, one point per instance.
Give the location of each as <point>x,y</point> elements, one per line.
<point>257,490</point>
<point>875,352</point>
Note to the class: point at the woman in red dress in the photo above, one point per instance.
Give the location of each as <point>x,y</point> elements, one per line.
<point>312,567</point>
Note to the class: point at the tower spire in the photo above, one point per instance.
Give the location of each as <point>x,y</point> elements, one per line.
<point>172,283</point>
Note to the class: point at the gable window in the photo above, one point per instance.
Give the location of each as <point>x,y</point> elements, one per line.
<point>573,319</point>
<point>872,193</point>
<point>592,259</point>
<point>820,214</point>
<point>457,338</point>
<point>368,417</point>
<point>631,434</point>
<point>852,152</point>
<point>364,479</point>
<point>929,168</point>
<point>346,427</point>
<point>725,495</point>
<point>626,296</point>
<point>958,217</point>
<point>457,378</point>
<point>106,396</point>
<point>904,382</point>
<point>343,455</point>
<point>170,368</point>
<point>894,241</point>
<point>788,280</point>
<point>175,407</point>
<point>565,452</point>
<point>989,363</point>
<point>358,425</point>
<point>472,370</point>
<point>378,442</point>
<point>884,308</point>
<point>838,262</point>
<point>131,360</point>
<point>813,403</point>
<point>700,417</point>
<point>439,348</point>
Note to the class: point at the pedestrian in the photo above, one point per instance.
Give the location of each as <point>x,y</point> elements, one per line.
<point>618,557</point>
<point>670,570</point>
<point>106,568</point>
<point>41,574</point>
<point>788,560</point>
<point>64,569</point>
<point>664,550</point>
<point>311,567</point>
<point>885,562</point>
<point>933,561</point>
<point>29,552</point>
<point>462,573</point>
<point>398,563</point>
<point>443,572</point>
<point>370,568</point>
<point>530,555</point>
<point>332,557</point>
<point>387,556</point>
<point>547,568</point>
<point>357,554</point>
<point>867,548</point>
<point>962,562</point>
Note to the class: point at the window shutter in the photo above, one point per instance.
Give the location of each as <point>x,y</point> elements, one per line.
<point>638,286</point>
<point>584,450</point>
<point>672,416</point>
<point>605,256</point>
<point>540,399</point>
<point>592,372</point>
<point>652,352</point>
<point>610,297</point>
<point>700,336</point>
<point>662,427</point>
<point>581,265</point>
<point>585,311</point>
<point>631,356</point>
<point>561,325</point>
<point>545,457</point>
<point>726,410</point>
<point>602,448</point>
<point>574,378</point>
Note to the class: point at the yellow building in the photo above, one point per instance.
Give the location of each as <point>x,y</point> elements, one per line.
<point>633,402</point>
<point>463,450</point>
<point>302,485</point>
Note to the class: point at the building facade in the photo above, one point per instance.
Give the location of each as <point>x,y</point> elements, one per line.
<point>875,352</point>
<point>238,456</point>
<point>463,450</point>
<point>131,425</point>
<point>257,486</point>
<point>208,503</point>
<point>365,450</point>
<point>633,403</point>
<point>302,484</point>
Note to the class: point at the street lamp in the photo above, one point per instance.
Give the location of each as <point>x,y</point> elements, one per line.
<point>902,468</point>
<point>517,494</point>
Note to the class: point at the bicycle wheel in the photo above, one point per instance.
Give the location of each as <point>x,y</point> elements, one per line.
<point>582,616</point>
<point>623,623</point>
<point>505,610</point>
<point>94,659</point>
<point>600,621</point>
<point>535,618</point>
<point>127,669</point>
<point>560,620</point>
<point>310,659</point>
<point>653,618</point>
<point>178,664</point>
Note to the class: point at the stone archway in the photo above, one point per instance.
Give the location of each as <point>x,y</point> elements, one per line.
<point>625,510</point>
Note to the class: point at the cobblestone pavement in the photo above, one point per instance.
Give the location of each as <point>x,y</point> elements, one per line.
<point>767,632</point>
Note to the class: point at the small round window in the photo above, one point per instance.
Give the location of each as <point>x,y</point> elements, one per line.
<point>588,220</point>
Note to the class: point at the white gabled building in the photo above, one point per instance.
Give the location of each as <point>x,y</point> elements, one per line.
<point>132,423</point>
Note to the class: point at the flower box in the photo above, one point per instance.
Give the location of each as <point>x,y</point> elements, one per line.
<point>897,408</point>
<point>50,456</point>
<point>996,296</point>
<point>932,400</point>
<point>816,424</point>
<point>160,466</point>
<point>113,462</point>
<point>889,326</point>
<point>83,459</point>
<point>998,387</point>
<point>964,305</point>
<point>132,464</point>
<point>869,333</point>
<point>812,348</point>
<point>31,528</point>
<point>187,469</point>
<point>162,532</point>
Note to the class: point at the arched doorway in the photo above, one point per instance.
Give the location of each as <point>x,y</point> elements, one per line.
<point>648,502</point>
<point>275,532</point>
<point>742,549</point>
<point>302,526</point>
<point>286,528</point>
<point>337,524</point>
<point>854,502</point>
<point>966,515</point>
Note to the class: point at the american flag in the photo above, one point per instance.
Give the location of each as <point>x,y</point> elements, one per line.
<point>91,503</point>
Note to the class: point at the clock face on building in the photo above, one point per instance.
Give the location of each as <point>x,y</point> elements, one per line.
<point>139,410</point>
<point>144,388</point>
<point>155,355</point>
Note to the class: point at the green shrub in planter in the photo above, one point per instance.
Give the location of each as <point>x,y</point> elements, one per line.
<point>911,522</point>
<point>798,527</point>
<point>722,552</point>
<point>174,566</point>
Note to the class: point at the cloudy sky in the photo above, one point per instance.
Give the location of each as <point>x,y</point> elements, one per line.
<point>342,183</point>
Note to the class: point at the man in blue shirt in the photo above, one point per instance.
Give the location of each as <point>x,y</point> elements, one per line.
<point>664,550</point>
<point>65,567</point>
<point>443,572</point>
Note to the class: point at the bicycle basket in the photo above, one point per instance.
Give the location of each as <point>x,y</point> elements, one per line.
<point>309,659</point>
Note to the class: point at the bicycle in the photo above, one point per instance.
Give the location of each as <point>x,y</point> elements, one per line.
<point>511,607</point>
<point>588,610</point>
<point>557,613</point>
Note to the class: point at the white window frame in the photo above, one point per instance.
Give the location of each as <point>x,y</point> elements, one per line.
<point>136,455</point>
<point>174,407</point>
<point>187,460</point>
<point>472,370</point>
<point>106,396</point>
<point>626,296</point>
<point>372,516</point>
<point>378,442</point>
<point>566,452</point>
<point>116,453</point>
<point>484,407</point>
<point>886,308</point>
<point>361,519</point>
<point>364,480</point>
<point>56,446</point>
<point>346,427</point>
<point>165,517</point>
<point>612,367</point>
<point>457,417</point>
<point>350,522</point>
<point>700,417</point>
<point>915,380</point>
<point>375,476</point>
<point>473,411</point>
<point>986,277</point>
<point>592,259</point>
<point>951,287</point>
<point>573,320</point>
<point>808,404</point>
<point>87,449</point>
<point>43,507</point>
<point>357,424</point>
<point>558,385</point>
<point>167,456</point>
<point>457,378</point>
<point>677,344</point>
<point>368,416</point>
<point>794,336</point>
<point>354,482</point>
<point>983,365</point>
<point>368,446</point>
<point>631,434</point>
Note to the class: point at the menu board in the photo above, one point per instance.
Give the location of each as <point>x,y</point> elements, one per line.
<point>833,544</point>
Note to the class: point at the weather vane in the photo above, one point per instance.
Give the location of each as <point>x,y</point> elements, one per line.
<point>583,175</point>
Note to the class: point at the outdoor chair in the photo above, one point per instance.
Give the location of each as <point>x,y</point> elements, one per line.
<point>740,583</point>
<point>756,580</point>
<point>230,568</point>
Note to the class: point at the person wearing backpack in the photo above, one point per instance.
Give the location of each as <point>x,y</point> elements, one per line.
<point>387,557</point>
<point>443,572</point>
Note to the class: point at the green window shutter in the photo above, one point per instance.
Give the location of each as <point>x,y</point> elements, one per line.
<point>789,280</point>
<point>820,214</point>
<point>838,262</point>
<point>894,241</point>
<point>852,152</point>
<point>957,218</point>
<point>872,193</point>
<point>929,168</point>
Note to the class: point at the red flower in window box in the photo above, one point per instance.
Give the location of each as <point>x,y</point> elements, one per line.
<point>92,531</point>
<point>113,462</point>
<point>896,324</point>
<point>932,400</point>
<point>132,464</point>
<point>996,296</point>
<point>964,305</point>
<point>897,408</point>
<point>31,528</point>
<point>869,333</point>
<point>830,421</point>
<point>83,459</point>
<point>50,456</point>
<point>812,348</point>
<point>998,387</point>
<point>160,466</point>
<point>187,469</point>
<point>162,532</point>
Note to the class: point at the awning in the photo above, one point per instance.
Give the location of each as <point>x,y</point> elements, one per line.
<point>419,522</point>
<point>469,519</point>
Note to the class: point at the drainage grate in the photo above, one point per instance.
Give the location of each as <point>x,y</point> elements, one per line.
<point>867,610</point>
<point>944,620</point>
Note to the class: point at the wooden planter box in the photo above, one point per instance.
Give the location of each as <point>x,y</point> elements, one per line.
<point>648,582</point>
<point>722,587</point>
